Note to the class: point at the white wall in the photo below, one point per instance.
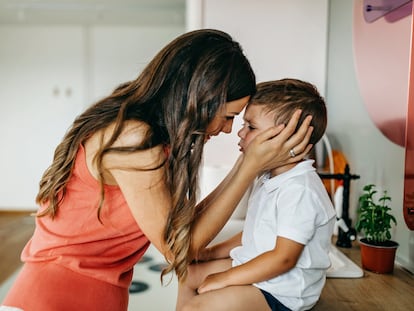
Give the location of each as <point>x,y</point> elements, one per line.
<point>48,75</point>
<point>118,53</point>
<point>370,154</point>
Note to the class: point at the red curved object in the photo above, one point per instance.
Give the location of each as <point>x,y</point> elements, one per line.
<point>408,204</point>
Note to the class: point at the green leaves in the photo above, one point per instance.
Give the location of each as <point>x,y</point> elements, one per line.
<point>374,218</point>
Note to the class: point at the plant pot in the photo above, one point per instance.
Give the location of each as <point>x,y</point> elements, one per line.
<point>378,258</point>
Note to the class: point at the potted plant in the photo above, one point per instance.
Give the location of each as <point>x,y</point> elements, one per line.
<point>374,221</point>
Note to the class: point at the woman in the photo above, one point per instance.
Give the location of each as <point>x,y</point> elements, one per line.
<point>126,175</point>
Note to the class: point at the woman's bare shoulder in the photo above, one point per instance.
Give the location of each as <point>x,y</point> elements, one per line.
<point>133,133</point>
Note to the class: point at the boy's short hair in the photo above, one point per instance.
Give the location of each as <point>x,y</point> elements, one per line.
<point>283,97</point>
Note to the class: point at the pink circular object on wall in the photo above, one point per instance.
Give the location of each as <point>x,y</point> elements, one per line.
<point>382,55</point>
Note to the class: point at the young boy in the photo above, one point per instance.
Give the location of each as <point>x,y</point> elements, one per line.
<point>280,259</point>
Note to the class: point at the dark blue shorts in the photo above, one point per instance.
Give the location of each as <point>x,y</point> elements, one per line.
<point>273,303</point>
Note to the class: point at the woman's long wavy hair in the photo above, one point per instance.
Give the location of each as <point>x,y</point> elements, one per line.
<point>177,95</point>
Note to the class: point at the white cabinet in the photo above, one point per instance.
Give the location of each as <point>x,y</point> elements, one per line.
<point>41,90</point>
<point>48,75</point>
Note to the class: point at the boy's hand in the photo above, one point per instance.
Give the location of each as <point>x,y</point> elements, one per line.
<point>212,282</point>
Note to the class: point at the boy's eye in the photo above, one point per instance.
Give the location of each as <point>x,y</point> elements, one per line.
<point>229,118</point>
<point>249,127</point>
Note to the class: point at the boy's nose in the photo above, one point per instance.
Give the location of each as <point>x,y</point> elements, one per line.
<point>240,133</point>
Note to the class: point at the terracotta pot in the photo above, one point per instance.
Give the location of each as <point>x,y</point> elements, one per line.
<point>378,258</point>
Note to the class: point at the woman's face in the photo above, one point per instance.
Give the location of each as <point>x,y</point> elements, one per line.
<point>223,120</point>
<point>256,120</point>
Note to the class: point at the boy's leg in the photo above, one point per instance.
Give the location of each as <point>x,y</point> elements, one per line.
<point>232,298</point>
<point>196,275</point>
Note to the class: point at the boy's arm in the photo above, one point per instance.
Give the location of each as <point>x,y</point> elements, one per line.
<point>220,250</point>
<point>264,267</point>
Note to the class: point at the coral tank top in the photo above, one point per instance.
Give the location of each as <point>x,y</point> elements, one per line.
<point>75,239</point>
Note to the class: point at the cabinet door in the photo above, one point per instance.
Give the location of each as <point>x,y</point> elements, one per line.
<point>41,91</point>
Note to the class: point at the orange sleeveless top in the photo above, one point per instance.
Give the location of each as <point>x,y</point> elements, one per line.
<point>75,239</point>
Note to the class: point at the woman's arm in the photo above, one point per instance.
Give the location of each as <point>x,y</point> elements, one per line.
<point>269,149</point>
<point>143,187</point>
<point>264,267</point>
<point>148,197</point>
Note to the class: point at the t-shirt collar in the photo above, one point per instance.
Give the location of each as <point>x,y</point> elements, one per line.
<point>272,183</point>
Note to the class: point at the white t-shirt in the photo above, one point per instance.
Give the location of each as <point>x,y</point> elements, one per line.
<point>293,205</point>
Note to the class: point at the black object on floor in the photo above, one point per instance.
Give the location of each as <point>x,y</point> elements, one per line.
<point>145,258</point>
<point>157,267</point>
<point>137,287</point>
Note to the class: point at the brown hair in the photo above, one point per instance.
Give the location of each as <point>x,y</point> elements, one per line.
<point>177,95</point>
<point>283,97</point>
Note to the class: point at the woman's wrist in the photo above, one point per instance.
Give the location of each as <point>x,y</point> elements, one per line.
<point>250,168</point>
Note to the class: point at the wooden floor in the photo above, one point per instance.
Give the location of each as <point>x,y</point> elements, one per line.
<point>374,292</point>
<point>16,229</point>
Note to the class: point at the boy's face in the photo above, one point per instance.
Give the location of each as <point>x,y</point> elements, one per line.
<point>256,120</point>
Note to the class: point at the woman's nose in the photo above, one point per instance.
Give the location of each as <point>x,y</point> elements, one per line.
<point>227,126</point>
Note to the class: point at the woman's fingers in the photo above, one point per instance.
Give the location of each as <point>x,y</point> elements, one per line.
<point>269,134</point>
<point>292,124</point>
<point>299,145</point>
<point>281,132</point>
<point>299,156</point>
<point>300,140</point>
<point>279,146</point>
